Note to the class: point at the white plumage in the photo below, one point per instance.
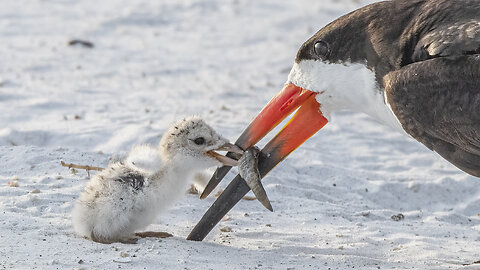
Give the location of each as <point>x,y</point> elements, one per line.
<point>128,195</point>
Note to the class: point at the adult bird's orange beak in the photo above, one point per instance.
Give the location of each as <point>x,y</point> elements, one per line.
<point>306,121</point>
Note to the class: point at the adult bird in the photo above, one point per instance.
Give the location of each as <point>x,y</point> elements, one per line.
<point>411,64</point>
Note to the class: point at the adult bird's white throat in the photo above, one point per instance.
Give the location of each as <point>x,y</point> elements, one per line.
<point>343,86</point>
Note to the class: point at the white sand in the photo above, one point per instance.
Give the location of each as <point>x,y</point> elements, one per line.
<point>156,61</point>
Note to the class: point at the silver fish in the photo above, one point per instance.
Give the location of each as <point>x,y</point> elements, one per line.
<point>248,170</point>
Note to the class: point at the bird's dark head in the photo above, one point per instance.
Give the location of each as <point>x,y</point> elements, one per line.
<point>373,36</point>
<point>342,41</point>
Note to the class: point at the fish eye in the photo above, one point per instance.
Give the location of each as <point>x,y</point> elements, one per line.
<point>321,49</point>
<point>199,141</point>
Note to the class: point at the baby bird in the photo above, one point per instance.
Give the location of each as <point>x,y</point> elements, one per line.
<point>127,196</point>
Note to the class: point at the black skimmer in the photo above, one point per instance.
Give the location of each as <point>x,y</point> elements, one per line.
<point>128,195</point>
<point>411,64</point>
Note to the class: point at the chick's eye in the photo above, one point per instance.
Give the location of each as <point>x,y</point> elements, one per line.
<point>199,141</point>
<point>321,49</point>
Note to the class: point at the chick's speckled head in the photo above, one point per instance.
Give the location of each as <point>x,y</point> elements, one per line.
<point>192,139</point>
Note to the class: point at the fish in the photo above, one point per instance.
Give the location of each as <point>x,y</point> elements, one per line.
<point>248,170</point>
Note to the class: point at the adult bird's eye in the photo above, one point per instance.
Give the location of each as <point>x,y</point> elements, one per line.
<point>199,141</point>
<point>321,49</point>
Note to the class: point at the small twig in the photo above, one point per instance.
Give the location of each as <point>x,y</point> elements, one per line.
<point>82,167</point>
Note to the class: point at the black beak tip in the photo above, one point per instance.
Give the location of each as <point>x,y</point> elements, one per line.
<point>227,200</point>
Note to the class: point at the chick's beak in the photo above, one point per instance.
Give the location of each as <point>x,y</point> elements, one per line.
<point>230,147</point>
<point>225,160</point>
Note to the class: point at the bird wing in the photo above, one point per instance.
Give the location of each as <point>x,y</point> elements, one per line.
<point>460,38</point>
<point>132,179</point>
<point>437,101</point>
